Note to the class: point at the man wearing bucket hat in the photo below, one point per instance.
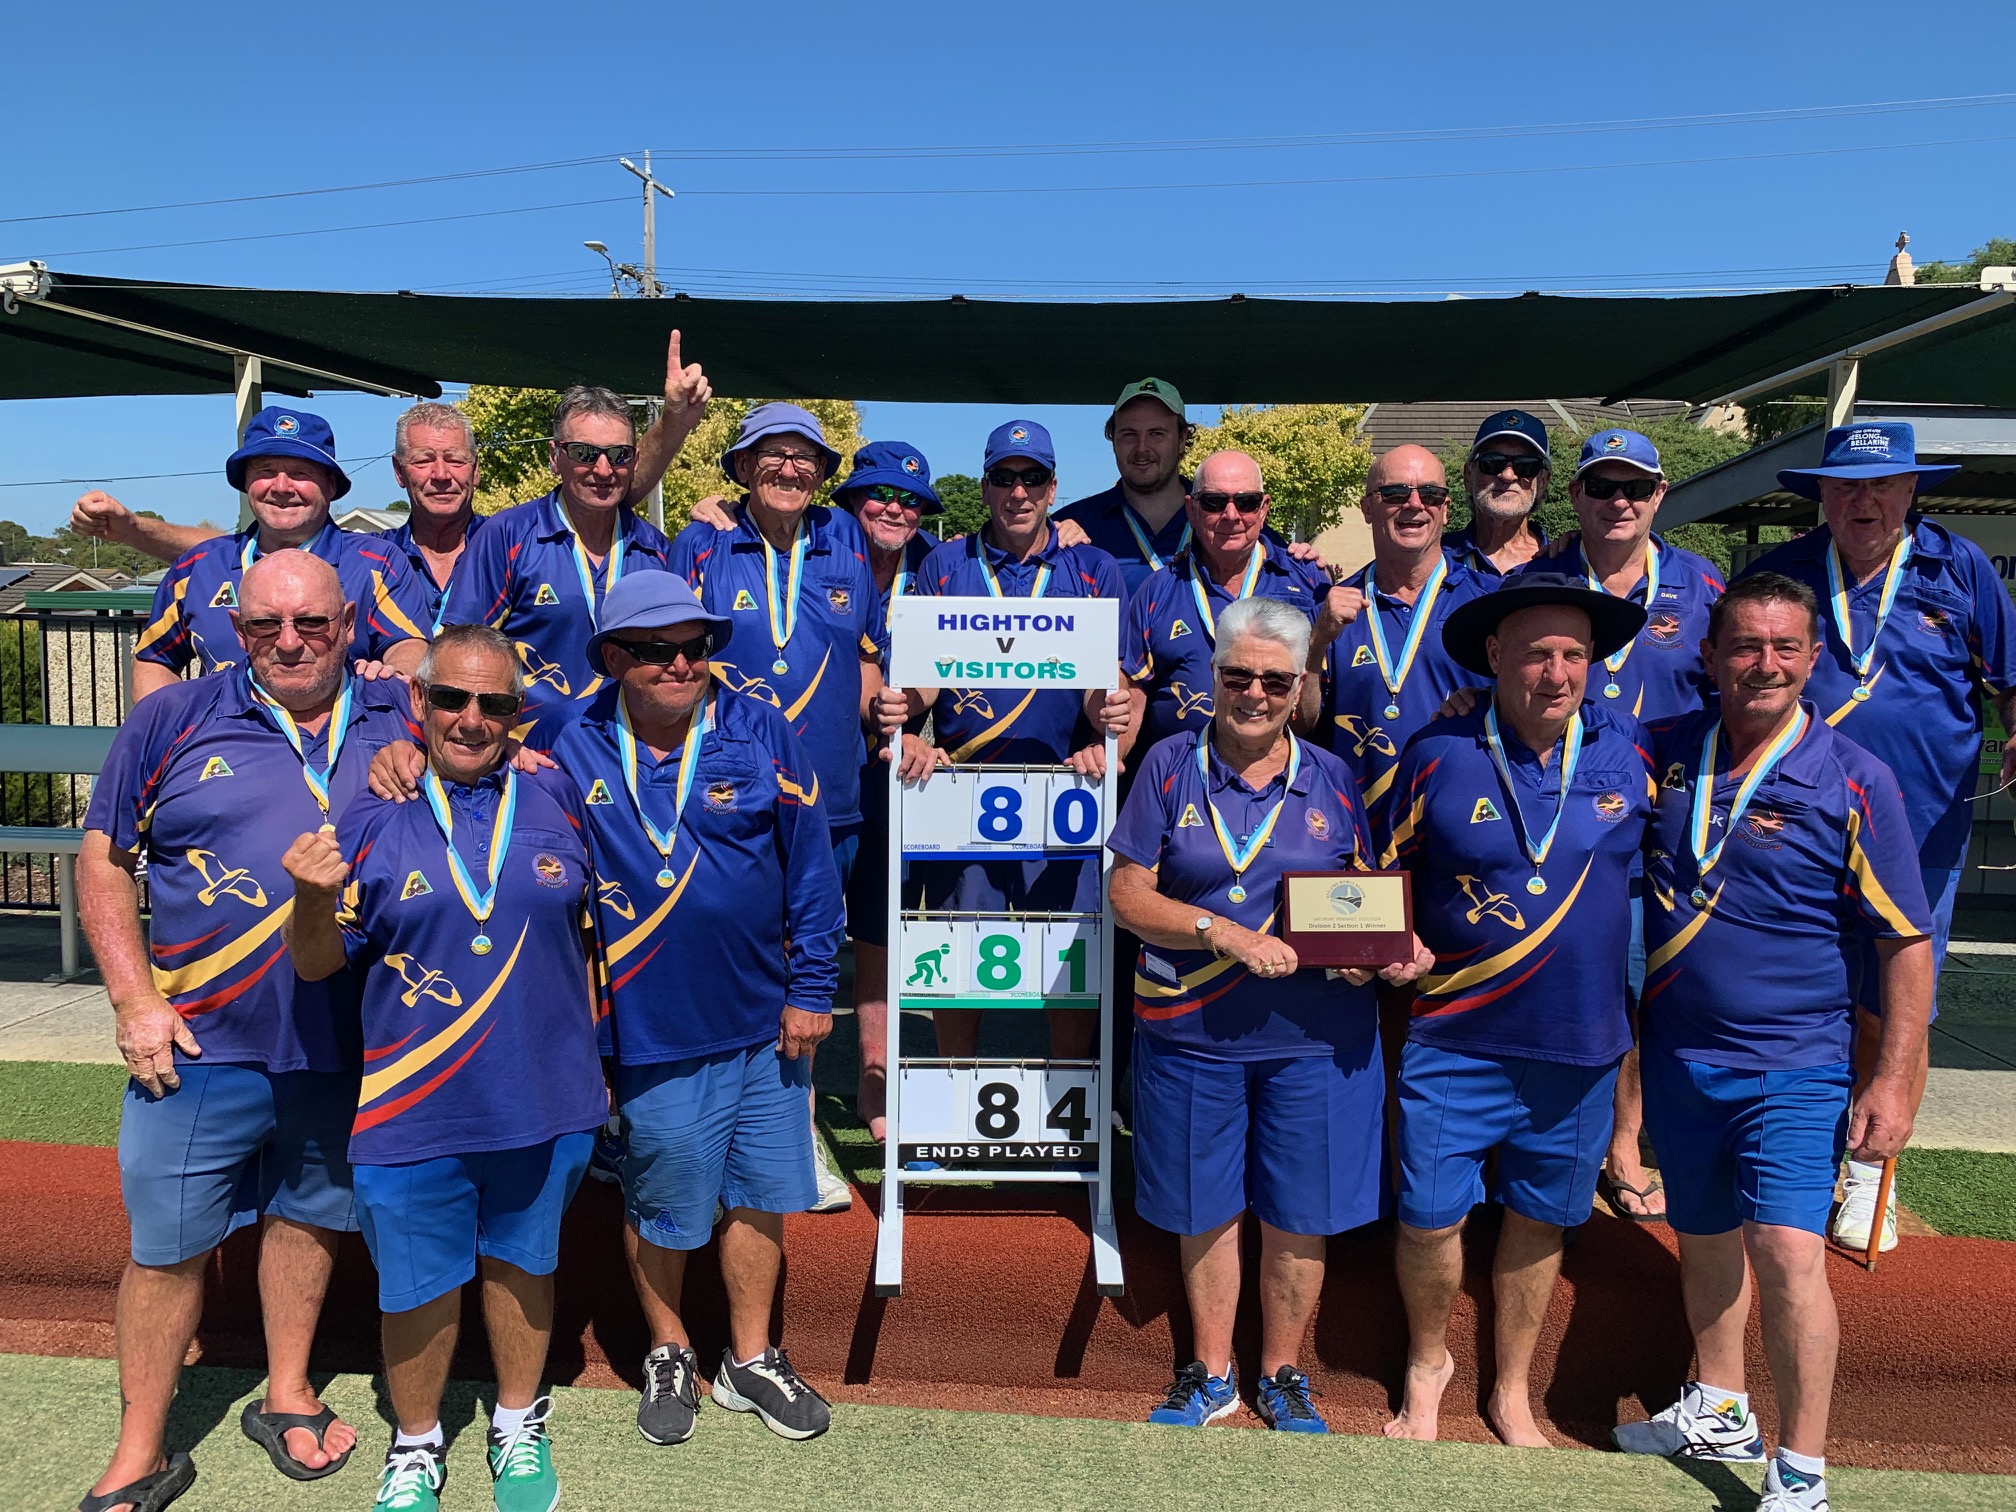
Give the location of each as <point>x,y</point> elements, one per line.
<point>287,469</point>
<point>701,808</point>
<point>1520,822</point>
<point>1918,631</point>
<point>1506,475</point>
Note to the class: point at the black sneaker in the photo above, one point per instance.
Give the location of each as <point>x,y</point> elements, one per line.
<point>776,1393</point>
<point>671,1400</point>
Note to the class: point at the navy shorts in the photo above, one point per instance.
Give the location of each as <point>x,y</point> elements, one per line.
<point>868,892</point>
<point>426,1221</point>
<point>1549,1122</point>
<point>732,1128</point>
<point>1740,1147</point>
<point>1299,1140</point>
<point>232,1143</point>
<point>1942,886</point>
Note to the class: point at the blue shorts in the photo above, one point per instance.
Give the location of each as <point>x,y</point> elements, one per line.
<point>1634,953</point>
<point>1550,1124</point>
<point>1741,1147</point>
<point>733,1128</point>
<point>1299,1140</point>
<point>234,1142</point>
<point>1941,888</point>
<point>426,1222</point>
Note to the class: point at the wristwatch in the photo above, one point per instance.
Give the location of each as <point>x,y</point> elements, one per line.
<point>1203,928</point>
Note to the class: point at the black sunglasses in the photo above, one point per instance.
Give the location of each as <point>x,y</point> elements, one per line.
<point>664,653</point>
<point>584,453</point>
<point>1637,490</point>
<point>1433,495</point>
<point>889,493</point>
<point>454,700</point>
<point>1239,679</point>
<point>1028,477</point>
<point>1493,463</point>
<point>1212,502</point>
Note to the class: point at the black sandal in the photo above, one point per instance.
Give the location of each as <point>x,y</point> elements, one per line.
<point>269,1431</point>
<point>150,1493</point>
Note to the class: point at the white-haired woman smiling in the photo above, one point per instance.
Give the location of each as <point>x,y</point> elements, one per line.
<point>1256,1085</point>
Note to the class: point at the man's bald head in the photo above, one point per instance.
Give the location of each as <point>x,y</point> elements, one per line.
<point>1406,504</point>
<point>295,627</point>
<point>1406,464</point>
<point>1228,472</point>
<point>302,583</point>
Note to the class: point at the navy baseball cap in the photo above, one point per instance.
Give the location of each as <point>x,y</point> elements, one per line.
<point>652,599</point>
<point>1873,449</point>
<point>1020,438</point>
<point>277,432</point>
<point>1511,423</point>
<point>778,419</point>
<point>1632,448</point>
<point>896,463</point>
<point>1613,622</point>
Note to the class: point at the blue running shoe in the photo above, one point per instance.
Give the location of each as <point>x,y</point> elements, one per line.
<point>1196,1397</point>
<point>1283,1402</point>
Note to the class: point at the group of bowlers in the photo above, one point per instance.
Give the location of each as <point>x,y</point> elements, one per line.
<point>480,833</point>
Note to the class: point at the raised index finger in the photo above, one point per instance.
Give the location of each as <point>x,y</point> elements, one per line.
<point>673,365</point>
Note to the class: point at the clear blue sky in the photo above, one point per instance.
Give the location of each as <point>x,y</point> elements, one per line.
<point>158,105</point>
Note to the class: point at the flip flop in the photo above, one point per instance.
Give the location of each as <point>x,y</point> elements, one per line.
<point>150,1493</point>
<point>1610,1187</point>
<point>269,1431</point>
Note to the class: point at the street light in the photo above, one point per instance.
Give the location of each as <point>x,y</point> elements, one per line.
<point>602,251</point>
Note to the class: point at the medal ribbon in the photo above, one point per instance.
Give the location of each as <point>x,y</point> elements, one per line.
<point>1571,755</point>
<point>585,571</point>
<point>1148,551</point>
<point>339,723</point>
<point>784,615</point>
<point>689,764</point>
<point>479,904</point>
<point>250,552</point>
<point>1837,594</point>
<point>1203,595</point>
<point>1705,855</point>
<point>994,584</point>
<point>1239,857</point>
<point>1616,662</point>
<point>1424,607</point>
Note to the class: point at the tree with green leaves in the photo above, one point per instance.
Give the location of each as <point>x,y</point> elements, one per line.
<point>965,513</point>
<point>1311,455</point>
<point>1997,252</point>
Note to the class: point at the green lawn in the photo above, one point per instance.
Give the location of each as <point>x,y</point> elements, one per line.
<point>60,1416</point>
<point>1961,1191</point>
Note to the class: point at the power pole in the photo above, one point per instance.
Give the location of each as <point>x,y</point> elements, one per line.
<point>650,288</point>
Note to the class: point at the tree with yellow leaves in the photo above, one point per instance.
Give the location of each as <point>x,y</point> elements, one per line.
<point>1311,455</point>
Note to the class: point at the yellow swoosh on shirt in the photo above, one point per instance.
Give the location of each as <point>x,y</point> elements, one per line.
<point>378,1083</point>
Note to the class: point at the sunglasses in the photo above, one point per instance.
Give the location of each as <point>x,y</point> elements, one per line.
<point>1433,495</point>
<point>1239,679</point>
<point>1213,502</point>
<point>307,626</point>
<point>889,493</point>
<point>584,453</point>
<point>1491,464</point>
<point>1028,477</point>
<point>664,653</point>
<point>1637,490</point>
<point>454,700</point>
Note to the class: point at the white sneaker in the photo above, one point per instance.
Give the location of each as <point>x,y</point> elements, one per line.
<point>1850,1228</point>
<point>1786,1490</point>
<point>1695,1427</point>
<point>835,1196</point>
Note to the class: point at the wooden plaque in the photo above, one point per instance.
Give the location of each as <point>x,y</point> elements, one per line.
<point>1348,918</point>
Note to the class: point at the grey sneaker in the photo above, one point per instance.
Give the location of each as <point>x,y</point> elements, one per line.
<point>776,1393</point>
<point>671,1401</point>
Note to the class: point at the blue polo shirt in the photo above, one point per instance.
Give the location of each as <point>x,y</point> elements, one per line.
<point>401,536</point>
<point>521,576</point>
<point>839,623</point>
<point>1663,677</point>
<point>1763,977</point>
<point>466,1052</point>
<point>202,781</point>
<point>1951,638</point>
<point>753,920</point>
<point>191,617</point>
<point>1104,518</point>
<point>1357,728</point>
<point>1166,644</point>
<point>1215,1007</point>
<point>1463,551</point>
<point>1518,974</point>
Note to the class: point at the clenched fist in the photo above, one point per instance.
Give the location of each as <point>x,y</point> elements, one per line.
<point>1341,606</point>
<point>316,864</point>
<point>99,516</point>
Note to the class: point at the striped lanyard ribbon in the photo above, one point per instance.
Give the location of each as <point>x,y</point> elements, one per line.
<point>1615,662</point>
<point>994,583</point>
<point>689,764</point>
<point>1148,552</point>
<point>1240,856</point>
<point>585,570</point>
<point>1571,756</point>
<point>1706,855</point>
<point>1837,595</point>
<point>783,599</point>
<point>1202,593</point>
<point>250,552</point>
<point>1395,676</point>
<point>339,723</point>
<point>478,902</point>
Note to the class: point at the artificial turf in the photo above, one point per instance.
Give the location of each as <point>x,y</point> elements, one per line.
<point>1968,1192</point>
<point>61,1415</point>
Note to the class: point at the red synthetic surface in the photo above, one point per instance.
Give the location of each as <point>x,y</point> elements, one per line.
<point>999,1313</point>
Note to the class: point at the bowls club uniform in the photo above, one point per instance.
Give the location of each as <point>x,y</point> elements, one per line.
<point>400,537</point>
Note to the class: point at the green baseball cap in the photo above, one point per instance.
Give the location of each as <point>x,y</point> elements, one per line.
<point>1161,390</point>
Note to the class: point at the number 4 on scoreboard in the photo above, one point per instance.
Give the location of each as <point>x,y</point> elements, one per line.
<point>1069,1117</point>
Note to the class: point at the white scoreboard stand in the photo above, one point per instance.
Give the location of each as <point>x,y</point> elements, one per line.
<point>1000,1120</point>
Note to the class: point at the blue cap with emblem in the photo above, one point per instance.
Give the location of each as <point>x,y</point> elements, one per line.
<point>1632,448</point>
<point>1873,449</point>
<point>1511,422</point>
<point>1020,438</point>
<point>896,463</point>
<point>277,432</point>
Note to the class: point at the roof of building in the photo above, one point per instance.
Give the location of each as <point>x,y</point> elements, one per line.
<point>52,577</point>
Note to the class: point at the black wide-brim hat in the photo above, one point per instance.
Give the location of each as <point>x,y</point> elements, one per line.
<point>1614,622</point>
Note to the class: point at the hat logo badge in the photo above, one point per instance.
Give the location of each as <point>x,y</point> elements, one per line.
<point>1018,434</point>
<point>1511,422</point>
<point>286,425</point>
<point>1613,443</point>
<point>912,466</point>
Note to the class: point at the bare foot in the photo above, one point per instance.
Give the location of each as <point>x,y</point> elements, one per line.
<point>1421,1401</point>
<point>1638,1193</point>
<point>1511,1417</point>
<point>870,1101</point>
<point>337,1439</point>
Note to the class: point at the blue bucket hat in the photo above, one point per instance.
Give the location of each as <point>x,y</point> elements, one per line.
<point>1632,448</point>
<point>651,600</point>
<point>778,419</point>
<point>1512,422</point>
<point>897,463</point>
<point>277,432</point>
<point>1873,449</point>
<point>1020,438</point>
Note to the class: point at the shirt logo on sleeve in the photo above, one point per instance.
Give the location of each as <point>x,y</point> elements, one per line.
<point>1483,901</point>
<point>216,766</point>
<point>743,600</point>
<point>226,597</point>
<point>1362,657</point>
<point>548,870</point>
<point>1178,629</point>
<point>423,981</point>
<point>721,798</point>
<point>417,886</point>
<point>1317,823</point>
<point>1610,807</point>
<point>838,598</point>
<point>1484,812</point>
<point>545,595</point>
<point>1189,819</point>
<point>220,881</point>
<point>598,792</point>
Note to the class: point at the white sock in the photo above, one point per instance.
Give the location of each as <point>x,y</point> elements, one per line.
<point>1813,1468</point>
<point>1862,1171</point>
<point>753,1360</point>
<point>403,1440</point>
<point>1715,1396</point>
<point>509,1419</point>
